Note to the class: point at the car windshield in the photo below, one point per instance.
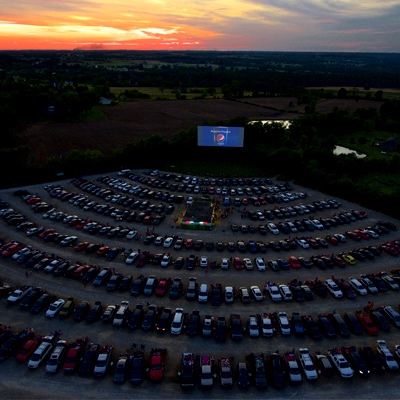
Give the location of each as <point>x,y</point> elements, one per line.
<point>156,367</point>
<point>294,371</point>
<point>343,364</point>
<point>309,367</point>
<point>35,357</point>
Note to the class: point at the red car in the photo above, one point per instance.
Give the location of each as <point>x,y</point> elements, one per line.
<point>102,251</point>
<point>294,262</point>
<point>28,349</point>
<point>11,250</point>
<point>157,356</point>
<point>74,355</point>
<point>338,261</point>
<point>353,235</point>
<point>238,263</point>
<point>161,288</point>
<point>332,240</point>
<point>81,246</point>
<point>367,323</point>
<point>46,232</point>
<point>313,243</point>
<point>189,243</point>
<point>362,234</point>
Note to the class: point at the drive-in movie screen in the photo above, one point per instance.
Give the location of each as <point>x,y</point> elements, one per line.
<point>224,136</point>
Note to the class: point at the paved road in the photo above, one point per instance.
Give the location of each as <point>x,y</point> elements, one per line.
<point>17,380</point>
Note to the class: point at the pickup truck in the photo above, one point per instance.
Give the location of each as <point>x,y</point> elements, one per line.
<point>103,361</point>
<point>157,357</point>
<point>187,371</point>
<point>19,294</point>
<point>206,376</point>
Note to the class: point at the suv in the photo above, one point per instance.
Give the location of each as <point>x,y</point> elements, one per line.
<point>41,352</point>
<point>236,327</point>
<point>333,288</point>
<point>120,315</point>
<point>285,292</point>
<point>307,365</point>
<point>89,358</point>
<point>150,285</point>
<point>393,315</point>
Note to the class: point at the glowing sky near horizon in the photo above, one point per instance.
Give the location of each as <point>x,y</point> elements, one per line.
<point>267,25</point>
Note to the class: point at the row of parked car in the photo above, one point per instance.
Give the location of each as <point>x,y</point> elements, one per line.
<point>291,367</point>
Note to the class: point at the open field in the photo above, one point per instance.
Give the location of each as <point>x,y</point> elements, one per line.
<point>131,121</point>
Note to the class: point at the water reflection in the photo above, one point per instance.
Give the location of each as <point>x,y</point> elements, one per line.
<point>344,150</point>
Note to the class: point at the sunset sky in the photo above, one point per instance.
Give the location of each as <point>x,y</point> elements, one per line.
<point>288,25</point>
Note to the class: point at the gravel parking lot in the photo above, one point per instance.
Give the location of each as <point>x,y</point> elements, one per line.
<point>19,382</point>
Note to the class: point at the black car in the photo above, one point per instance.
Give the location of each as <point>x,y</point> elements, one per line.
<point>138,286</point>
<point>323,363</point>
<point>194,323</point>
<point>326,327</point>
<point>339,324</point>
<point>42,303</point>
<point>353,323</point>
<point>311,327</point>
<point>380,321</point>
<point>216,295</point>
<point>258,369</point>
<point>371,359</point>
<point>150,318</point>
<point>95,312</point>
<point>276,369</point>
<point>125,283</point>
<point>89,358</point>
<point>164,322</point>
<point>135,317</point>
<point>89,275</point>
<point>356,361</point>
<point>81,311</point>
<point>243,375</point>
<point>102,277</point>
<point>28,301</point>
<point>220,329</point>
<point>137,367</point>
<point>114,282</point>
<point>176,289</point>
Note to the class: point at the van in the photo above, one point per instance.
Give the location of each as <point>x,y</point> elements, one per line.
<point>56,357</point>
<point>191,292</point>
<point>41,353</point>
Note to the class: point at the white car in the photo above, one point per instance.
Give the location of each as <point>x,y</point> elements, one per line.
<point>341,364</point>
<point>293,369</point>
<point>256,292</point>
<point>303,243</point>
<point>272,228</point>
<point>55,308</point>
<point>203,293</point>
<point>307,365</point>
<point>333,288</point>
<point>204,262</point>
<point>189,200</point>
<point>284,323</point>
<point>177,323</point>
<point>225,263</point>
<point>41,352</point>
<point>158,241</point>
<point>317,224</point>
<point>260,263</point>
<point>131,234</point>
<point>274,293</point>
<point>229,295</point>
<point>292,227</point>
<point>386,356</point>
<point>254,329</point>
<point>285,292</point>
<point>267,327</point>
<point>166,260</point>
<point>132,257</point>
<point>371,233</point>
<point>248,264</point>
<point>358,287</point>
<point>68,240</point>
<point>389,281</point>
<point>168,242</point>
